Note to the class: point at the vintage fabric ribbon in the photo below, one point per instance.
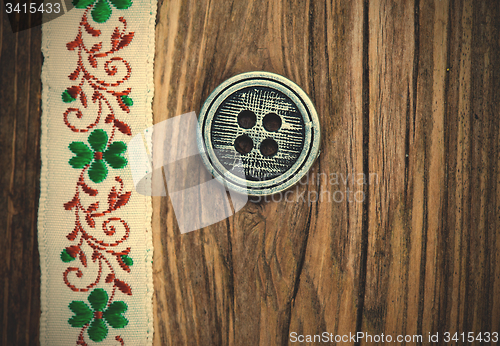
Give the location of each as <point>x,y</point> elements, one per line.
<point>94,229</point>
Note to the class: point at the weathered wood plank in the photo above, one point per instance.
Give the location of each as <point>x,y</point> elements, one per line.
<point>20,67</point>
<point>258,255</point>
<point>327,298</point>
<point>245,270</point>
<point>472,165</point>
<point>391,57</point>
<point>432,259</point>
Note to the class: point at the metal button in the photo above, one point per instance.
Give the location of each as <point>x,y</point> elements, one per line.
<point>264,124</point>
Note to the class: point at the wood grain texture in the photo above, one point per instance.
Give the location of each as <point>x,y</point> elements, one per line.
<point>249,279</point>
<point>432,241</point>
<point>20,68</point>
<point>405,91</point>
<point>408,96</point>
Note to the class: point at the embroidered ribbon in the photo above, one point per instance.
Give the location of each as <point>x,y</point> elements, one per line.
<point>94,229</point>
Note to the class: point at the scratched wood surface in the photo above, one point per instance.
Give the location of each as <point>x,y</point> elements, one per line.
<point>408,96</point>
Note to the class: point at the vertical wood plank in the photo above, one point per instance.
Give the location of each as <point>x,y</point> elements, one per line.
<point>327,298</point>
<point>472,73</point>
<point>20,67</point>
<point>250,273</point>
<point>433,249</point>
<point>391,57</point>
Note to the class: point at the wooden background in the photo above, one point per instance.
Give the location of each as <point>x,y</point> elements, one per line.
<point>407,90</point>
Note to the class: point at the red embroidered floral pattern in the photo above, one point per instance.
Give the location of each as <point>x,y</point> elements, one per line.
<point>101,89</point>
<point>109,257</point>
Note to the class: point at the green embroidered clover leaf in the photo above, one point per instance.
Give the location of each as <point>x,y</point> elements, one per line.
<point>102,11</point>
<point>66,97</point>
<point>127,260</point>
<point>98,155</point>
<point>127,100</point>
<point>98,329</point>
<point>66,257</point>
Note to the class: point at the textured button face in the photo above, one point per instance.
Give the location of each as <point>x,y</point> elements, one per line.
<point>261,124</point>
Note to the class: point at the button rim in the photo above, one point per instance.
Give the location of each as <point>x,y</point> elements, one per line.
<point>312,128</point>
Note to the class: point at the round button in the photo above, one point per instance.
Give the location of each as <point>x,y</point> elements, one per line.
<point>260,133</point>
